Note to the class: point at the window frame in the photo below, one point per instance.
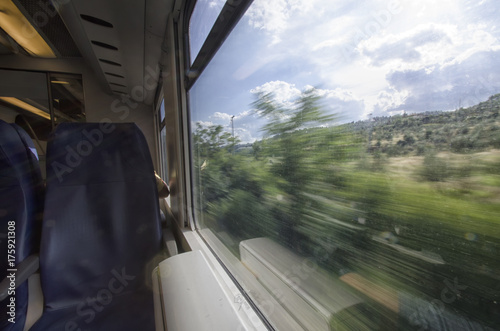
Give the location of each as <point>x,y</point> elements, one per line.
<point>240,282</point>
<point>159,124</point>
<point>229,16</point>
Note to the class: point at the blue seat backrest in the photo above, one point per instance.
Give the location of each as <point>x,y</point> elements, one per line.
<point>101,212</point>
<point>21,203</point>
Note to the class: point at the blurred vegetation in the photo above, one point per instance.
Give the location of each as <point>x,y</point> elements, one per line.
<point>412,201</point>
<point>465,130</point>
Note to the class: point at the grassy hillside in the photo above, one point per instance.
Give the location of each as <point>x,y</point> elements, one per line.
<point>462,131</point>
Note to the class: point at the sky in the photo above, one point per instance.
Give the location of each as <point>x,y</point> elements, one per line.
<point>365,58</point>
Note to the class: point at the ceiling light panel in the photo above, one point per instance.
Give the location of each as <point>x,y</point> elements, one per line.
<point>15,24</point>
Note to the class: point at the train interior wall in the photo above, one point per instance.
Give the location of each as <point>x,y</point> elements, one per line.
<point>100,105</point>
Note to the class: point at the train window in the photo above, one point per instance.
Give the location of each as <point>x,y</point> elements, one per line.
<point>162,111</point>
<point>203,18</point>
<point>163,143</point>
<point>164,164</point>
<point>349,156</point>
<point>67,97</point>
<point>42,99</point>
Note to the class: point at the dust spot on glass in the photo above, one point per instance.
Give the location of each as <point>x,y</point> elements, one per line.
<point>471,236</point>
<point>389,237</point>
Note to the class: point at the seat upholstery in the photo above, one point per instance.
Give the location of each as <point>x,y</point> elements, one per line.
<point>101,228</point>
<point>21,201</point>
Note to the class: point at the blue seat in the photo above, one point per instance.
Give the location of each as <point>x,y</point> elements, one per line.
<point>21,203</point>
<point>101,228</point>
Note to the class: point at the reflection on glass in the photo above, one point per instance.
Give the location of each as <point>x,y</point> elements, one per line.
<point>204,15</point>
<point>25,94</point>
<point>27,105</point>
<point>67,98</point>
<point>162,111</point>
<point>360,182</point>
<point>163,152</point>
<point>163,143</point>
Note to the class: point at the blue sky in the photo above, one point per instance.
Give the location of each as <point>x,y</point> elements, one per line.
<point>365,57</point>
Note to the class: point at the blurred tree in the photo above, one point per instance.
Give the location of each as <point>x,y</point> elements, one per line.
<point>434,168</point>
<point>307,150</point>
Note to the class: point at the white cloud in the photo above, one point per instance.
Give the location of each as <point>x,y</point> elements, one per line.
<point>244,114</point>
<point>225,117</point>
<point>221,116</point>
<point>448,87</point>
<point>244,135</point>
<point>338,93</point>
<point>275,16</point>
<point>428,46</point>
<point>388,100</point>
<point>203,124</point>
<point>386,56</point>
<point>342,102</point>
<point>246,126</point>
<point>284,93</point>
<point>409,47</point>
<point>217,3</point>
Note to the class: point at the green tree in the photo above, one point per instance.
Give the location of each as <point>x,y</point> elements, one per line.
<point>306,150</point>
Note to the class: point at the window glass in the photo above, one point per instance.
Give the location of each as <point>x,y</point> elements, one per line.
<point>163,143</point>
<point>164,163</point>
<point>204,15</point>
<point>67,98</point>
<point>162,112</point>
<point>347,154</point>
